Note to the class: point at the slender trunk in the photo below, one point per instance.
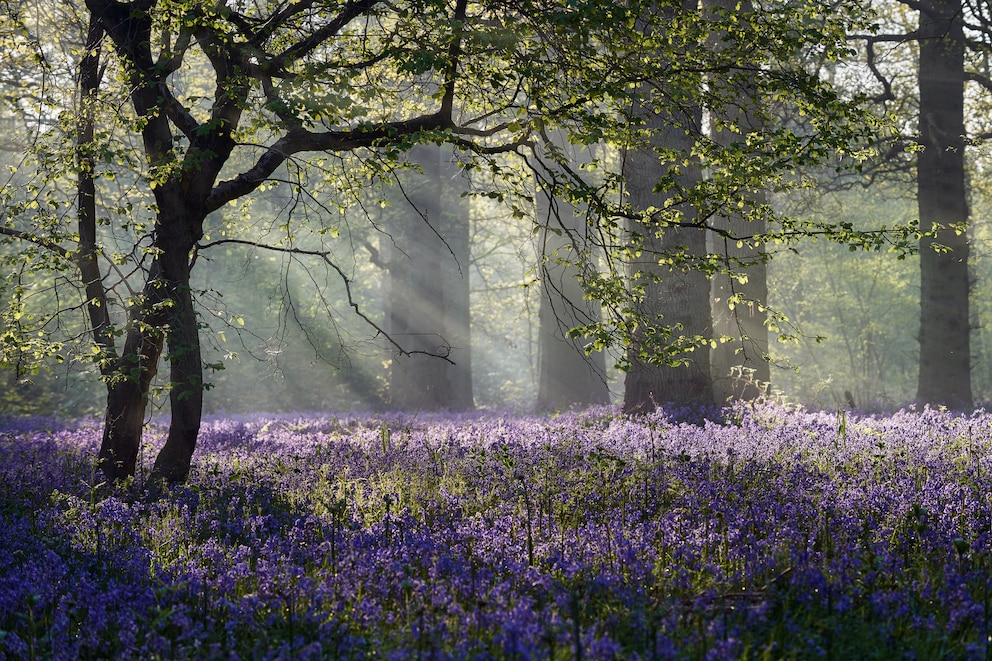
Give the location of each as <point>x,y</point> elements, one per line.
<point>945,324</point>
<point>568,377</point>
<point>456,223</point>
<point>86,256</point>
<point>165,309</point>
<point>128,375</point>
<point>186,384</point>
<point>129,381</point>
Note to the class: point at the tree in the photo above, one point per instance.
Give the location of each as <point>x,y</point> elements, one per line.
<point>945,319</point>
<point>287,80</point>
<point>672,299</point>
<point>428,289</point>
<point>762,69</point>
<point>568,376</point>
<point>739,361</point>
<point>952,41</point>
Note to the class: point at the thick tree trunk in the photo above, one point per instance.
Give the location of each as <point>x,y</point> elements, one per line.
<point>568,377</point>
<point>677,296</point>
<point>945,324</point>
<point>674,297</point>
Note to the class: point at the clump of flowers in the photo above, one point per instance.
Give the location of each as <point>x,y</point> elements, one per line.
<point>770,532</point>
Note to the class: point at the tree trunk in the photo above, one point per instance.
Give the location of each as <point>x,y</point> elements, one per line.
<point>568,377</point>
<point>740,365</point>
<point>418,379</point>
<point>128,384</point>
<point>165,311</point>
<point>945,324</point>
<point>185,379</point>
<point>675,297</point>
<point>455,212</point>
<point>86,256</point>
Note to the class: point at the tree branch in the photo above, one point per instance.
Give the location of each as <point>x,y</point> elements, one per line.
<point>48,244</point>
<point>325,256</point>
<point>299,140</point>
<point>350,12</point>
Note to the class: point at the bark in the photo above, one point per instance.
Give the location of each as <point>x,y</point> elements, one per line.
<point>945,325</point>
<point>456,229</point>
<point>418,378</point>
<point>740,366</point>
<point>185,376</point>
<point>165,311</point>
<point>568,377</point>
<point>673,297</point>
<point>98,311</point>
<point>128,384</point>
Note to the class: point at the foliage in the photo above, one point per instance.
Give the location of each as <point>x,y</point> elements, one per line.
<point>326,97</point>
<point>853,316</point>
<point>776,533</point>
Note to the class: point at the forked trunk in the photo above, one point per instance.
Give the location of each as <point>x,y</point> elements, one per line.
<point>165,312</point>
<point>127,399</point>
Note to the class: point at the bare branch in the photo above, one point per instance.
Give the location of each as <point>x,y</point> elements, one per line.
<point>325,256</point>
<point>982,81</point>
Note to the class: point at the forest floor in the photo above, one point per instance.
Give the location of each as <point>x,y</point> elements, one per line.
<point>769,533</point>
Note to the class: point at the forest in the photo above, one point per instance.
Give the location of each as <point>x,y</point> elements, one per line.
<point>335,206</point>
<point>515,329</point>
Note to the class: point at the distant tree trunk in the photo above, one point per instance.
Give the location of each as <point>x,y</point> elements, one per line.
<point>677,297</point>
<point>568,377</point>
<point>740,366</point>
<point>425,317</point>
<point>945,324</point>
<point>456,228</point>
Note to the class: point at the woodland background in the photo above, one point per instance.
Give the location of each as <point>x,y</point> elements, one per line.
<point>281,334</point>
